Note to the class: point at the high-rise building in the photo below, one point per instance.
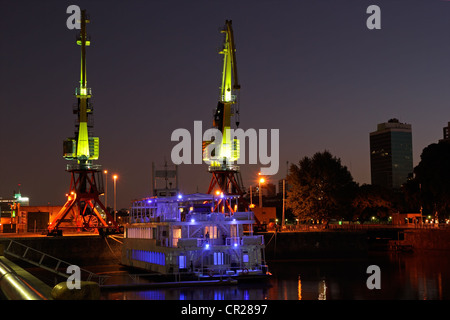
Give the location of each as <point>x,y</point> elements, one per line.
<point>391,160</point>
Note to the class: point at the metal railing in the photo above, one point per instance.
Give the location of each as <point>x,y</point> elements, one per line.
<point>223,167</point>
<point>48,262</point>
<point>84,166</point>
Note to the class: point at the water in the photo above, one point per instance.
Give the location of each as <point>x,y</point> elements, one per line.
<point>404,276</point>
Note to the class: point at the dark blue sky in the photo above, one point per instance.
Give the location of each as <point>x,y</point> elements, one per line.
<point>309,68</point>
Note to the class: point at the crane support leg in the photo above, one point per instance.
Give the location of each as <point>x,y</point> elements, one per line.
<point>83,201</point>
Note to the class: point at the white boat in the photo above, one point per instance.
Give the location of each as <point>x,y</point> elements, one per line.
<point>197,235</point>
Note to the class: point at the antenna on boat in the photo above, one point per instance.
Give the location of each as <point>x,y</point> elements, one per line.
<point>163,180</point>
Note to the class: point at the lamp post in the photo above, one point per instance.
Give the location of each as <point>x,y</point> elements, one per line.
<point>284,190</point>
<point>106,188</point>
<point>261,180</point>
<point>115,179</point>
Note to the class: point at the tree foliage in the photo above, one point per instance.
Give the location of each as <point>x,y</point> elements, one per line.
<point>321,188</point>
<point>372,201</point>
<point>431,184</point>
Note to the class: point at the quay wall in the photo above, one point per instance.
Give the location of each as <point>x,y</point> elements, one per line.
<point>78,250</point>
<point>95,250</point>
<point>428,239</point>
<point>319,244</point>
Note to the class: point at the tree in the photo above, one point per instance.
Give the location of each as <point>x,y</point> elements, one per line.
<point>411,196</point>
<point>432,175</point>
<point>371,200</point>
<point>321,188</point>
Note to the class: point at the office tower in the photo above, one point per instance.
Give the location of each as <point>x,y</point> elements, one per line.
<point>391,160</point>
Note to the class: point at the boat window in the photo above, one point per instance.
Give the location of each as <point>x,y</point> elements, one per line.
<point>182,262</point>
<point>211,232</point>
<point>176,236</point>
<point>233,231</point>
<point>218,258</point>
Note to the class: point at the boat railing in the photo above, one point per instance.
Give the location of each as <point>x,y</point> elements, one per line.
<point>214,217</point>
<point>233,241</point>
<point>228,241</point>
<point>255,239</point>
<point>243,215</point>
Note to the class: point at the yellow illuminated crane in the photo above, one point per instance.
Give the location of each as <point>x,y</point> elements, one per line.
<point>226,175</point>
<point>83,209</point>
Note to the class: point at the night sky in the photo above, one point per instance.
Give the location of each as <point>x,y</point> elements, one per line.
<point>309,68</point>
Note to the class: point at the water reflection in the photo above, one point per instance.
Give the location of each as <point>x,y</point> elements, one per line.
<point>238,292</point>
<point>418,276</point>
<point>426,277</point>
<point>322,290</point>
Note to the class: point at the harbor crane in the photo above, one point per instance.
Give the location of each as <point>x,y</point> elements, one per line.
<point>82,208</point>
<point>226,177</point>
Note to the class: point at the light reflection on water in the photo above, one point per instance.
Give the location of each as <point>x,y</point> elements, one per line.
<point>205,293</point>
<point>417,276</point>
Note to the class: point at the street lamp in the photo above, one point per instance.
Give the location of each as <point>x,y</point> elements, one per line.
<point>106,188</point>
<point>261,180</point>
<point>115,179</point>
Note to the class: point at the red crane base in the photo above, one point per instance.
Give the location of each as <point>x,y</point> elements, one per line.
<point>227,183</point>
<point>80,210</point>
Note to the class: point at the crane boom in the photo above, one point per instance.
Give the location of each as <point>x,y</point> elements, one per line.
<point>236,84</point>
<point>83,135</point>
<point>229,76</point>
